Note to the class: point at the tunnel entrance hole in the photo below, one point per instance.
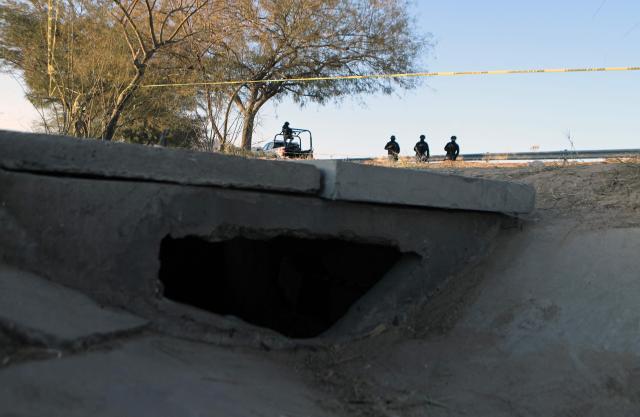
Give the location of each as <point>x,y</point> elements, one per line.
<point>297,287</point>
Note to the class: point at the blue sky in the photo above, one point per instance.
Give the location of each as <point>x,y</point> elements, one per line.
<point>487,113</point>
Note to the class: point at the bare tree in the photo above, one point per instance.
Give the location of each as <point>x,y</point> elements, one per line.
<point>202,60</point>
<point>84,61</point>
<point>276,39</point>
<point>75,64</point>
<point>67,56</point>
<point>149,27</point>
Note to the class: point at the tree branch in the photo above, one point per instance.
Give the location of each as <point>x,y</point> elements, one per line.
<point>152,31</point>
<point>184,20</point>
<point>129,19</point>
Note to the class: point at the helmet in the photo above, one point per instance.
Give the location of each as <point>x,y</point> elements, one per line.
<point>393,138</point>
<point>422,137</point>
<point>286,123</point>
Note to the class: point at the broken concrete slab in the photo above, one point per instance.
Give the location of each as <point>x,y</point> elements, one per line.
<point>157,376</point>
<point>112,211</point>
<point>51,313</point>
<point>372,184</point>
<point>105,238</point>
<point>97,159</point>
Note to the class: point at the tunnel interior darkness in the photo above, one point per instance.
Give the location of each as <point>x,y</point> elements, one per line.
<point>297,287</point>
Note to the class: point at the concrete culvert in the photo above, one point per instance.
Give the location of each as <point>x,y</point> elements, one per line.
<point>297,287</point>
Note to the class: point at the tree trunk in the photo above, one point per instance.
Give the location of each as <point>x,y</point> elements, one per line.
<point>249,118</point>
<point>250,111</point>
<point>121,102</point>
<point>218,140</point>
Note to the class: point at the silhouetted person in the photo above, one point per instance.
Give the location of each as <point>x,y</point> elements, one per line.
<point>422,150</point>
<point>287,132</point>
<point>452,149</point>
<point>392,148</point>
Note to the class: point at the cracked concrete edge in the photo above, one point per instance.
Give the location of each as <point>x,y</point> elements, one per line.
<point>349,181</point>
<point>36,338</point>
<point>46,313</point>
<point>60,155</point>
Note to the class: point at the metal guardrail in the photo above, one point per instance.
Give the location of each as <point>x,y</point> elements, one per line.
<point>525,156</point>
<point>560,155</point>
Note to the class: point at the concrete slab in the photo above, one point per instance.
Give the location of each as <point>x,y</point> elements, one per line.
<point>372,184</point>
<point>92,158</point>
<point>40,308</point>
<point>104,238</point>
<point>157,377</point>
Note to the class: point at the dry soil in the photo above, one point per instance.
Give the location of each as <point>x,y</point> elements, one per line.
<point>548,325</point>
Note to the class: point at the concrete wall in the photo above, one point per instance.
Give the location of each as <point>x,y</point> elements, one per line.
<point>102,234</point>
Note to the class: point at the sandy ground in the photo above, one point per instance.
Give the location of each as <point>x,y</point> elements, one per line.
<point>548,325</point>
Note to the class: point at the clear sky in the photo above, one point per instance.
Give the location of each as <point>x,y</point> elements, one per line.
<point>487,113</point>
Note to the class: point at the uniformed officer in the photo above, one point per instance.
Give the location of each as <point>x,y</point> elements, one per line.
<point>452,149</point>
<point>422,150</point>
<point>393,149</point>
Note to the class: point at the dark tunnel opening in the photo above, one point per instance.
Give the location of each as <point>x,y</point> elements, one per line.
<point>297,287</point>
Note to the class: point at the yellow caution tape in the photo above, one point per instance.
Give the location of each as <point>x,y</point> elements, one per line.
<point>402,75</point>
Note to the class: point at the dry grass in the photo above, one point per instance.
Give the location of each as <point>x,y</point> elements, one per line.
<point>633,161</point>
<point>339,371</point>
<point>593,191</point>
<point>244,153</point>
<point>411,163</point>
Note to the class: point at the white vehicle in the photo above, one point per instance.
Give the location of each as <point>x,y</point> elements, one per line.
<point>274,147</point>
<point>294,147</point>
